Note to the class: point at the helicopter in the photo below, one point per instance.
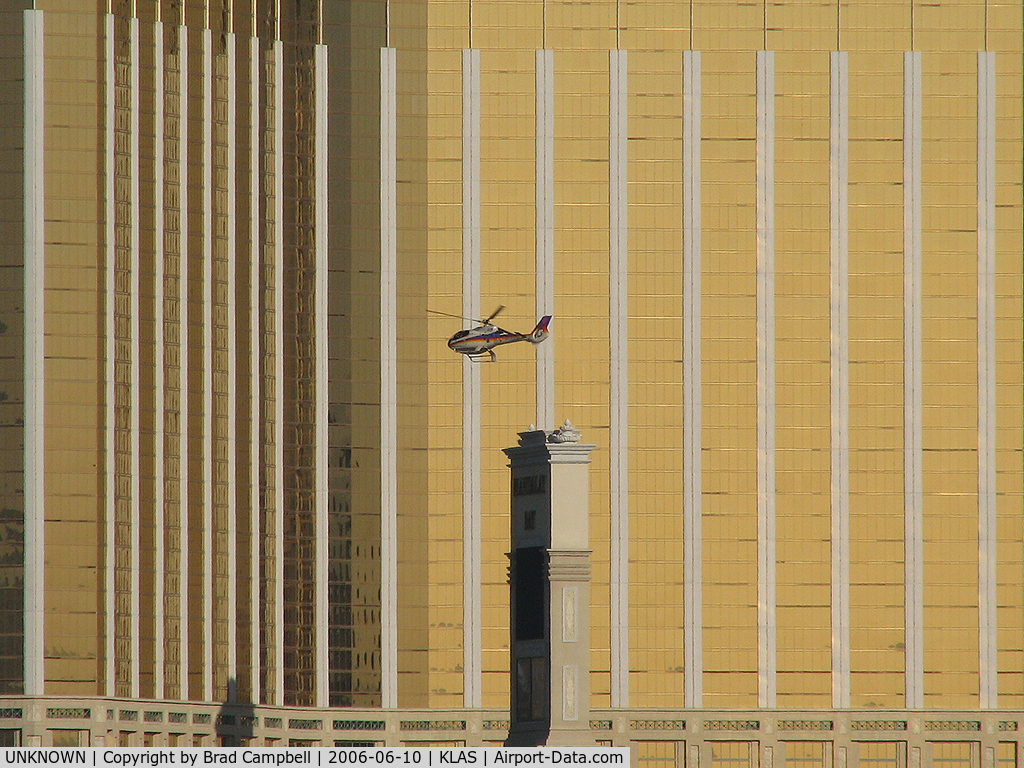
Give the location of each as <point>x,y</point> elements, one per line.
<point>476,342</point>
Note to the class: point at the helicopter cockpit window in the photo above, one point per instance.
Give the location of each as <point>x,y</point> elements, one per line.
<point>460,335</point>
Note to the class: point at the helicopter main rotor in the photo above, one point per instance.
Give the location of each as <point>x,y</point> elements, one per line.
<point>493,315</point>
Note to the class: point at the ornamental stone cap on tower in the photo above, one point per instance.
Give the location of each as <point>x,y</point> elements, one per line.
<point>559,446</point>
<point>566,433</point>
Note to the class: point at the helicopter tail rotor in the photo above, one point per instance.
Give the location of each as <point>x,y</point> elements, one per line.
<point>540,331</point>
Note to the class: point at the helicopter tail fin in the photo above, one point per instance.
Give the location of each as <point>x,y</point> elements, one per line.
<point>540,332</point>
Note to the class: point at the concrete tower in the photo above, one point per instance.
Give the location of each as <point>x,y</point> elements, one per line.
<point>550,589</point>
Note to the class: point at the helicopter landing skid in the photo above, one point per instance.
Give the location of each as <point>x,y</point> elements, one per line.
<point>481,359</point>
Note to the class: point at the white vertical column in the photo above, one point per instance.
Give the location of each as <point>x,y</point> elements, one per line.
<point>766,378</point>
<point>545,230</point>
<point>110,503</point>
<point>207,249</point>
<point>388,381</point>
<point>159,401</point>
<point>279,258</point>
<point>618,374</point>
<point>693,656</point>
<point>232,362</point>
<point>322,356</point>
<point>255,365</point>
<point>471,541</point>
<point>840,377</point>
<point>135,323</point>
<point>912,440</point>
<point>183,386</point>
<point>34,252</point>
<point>987,624</point>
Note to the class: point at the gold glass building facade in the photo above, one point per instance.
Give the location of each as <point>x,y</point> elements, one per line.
<point>785,275</point>
<point>782,244</point>
<point>165,365</point>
